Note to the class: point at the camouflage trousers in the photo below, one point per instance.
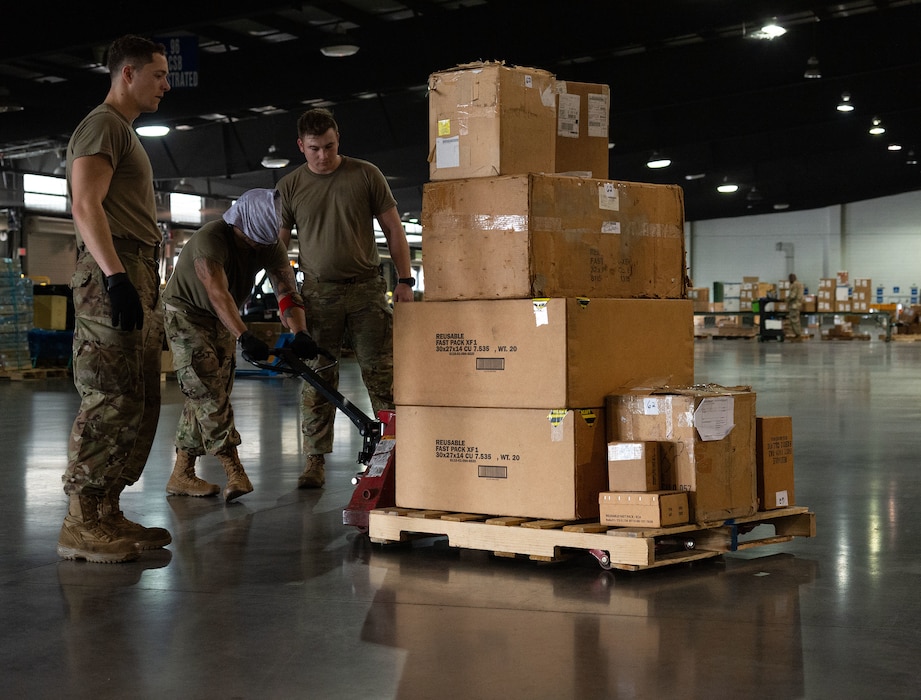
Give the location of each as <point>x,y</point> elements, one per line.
<point>204,357</point>
<point>358,314</point>
<point>793,315</point>
<point>117,374</point>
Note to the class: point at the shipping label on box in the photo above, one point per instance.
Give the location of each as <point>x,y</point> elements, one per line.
<point>489,119</point>
<point>660,509</point>
<point>633,466</point>
<point>583,111</point>
<point>537,235</point>
<point>711,435</point>
<point>526,353</point>
<point>535,463</point>
<point>774,461</point>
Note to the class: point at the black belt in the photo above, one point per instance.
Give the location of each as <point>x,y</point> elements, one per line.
<point>144,250</point>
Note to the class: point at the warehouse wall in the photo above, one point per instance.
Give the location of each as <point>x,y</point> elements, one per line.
<point>878,238</point>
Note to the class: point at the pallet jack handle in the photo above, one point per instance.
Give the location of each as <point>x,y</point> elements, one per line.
<point>290,364</point>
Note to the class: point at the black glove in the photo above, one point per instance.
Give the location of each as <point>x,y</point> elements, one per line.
<point>127,310</point>
<point>304,346</point>
<point>253,348</point>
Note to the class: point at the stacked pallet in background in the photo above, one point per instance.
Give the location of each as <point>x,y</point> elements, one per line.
<point>16,313</point>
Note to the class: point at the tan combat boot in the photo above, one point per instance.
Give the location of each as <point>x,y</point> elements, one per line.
<point>238,484</point>
<point>113,520</point>
<point>314,475</point>
<point>184,482</point>
<point>83,536</point>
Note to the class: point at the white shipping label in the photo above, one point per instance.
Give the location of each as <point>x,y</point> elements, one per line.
<point>447,152</point>
<point>610,227</point>
<point>541,313</point>
<point>608,197</point>
<point>713,417</point>
<point>781,498</point>
<point>650,406</point>
<point>598,115</point>
<point>567,116</point>
<point>624,451</point>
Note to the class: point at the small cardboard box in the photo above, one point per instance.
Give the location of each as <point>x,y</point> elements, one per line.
<point>660,509</point>
<point>633,466</point>
<point>50,312</point>
<point>534,463</point>
<point>774,461</point>
<point>535,235</point>
<point>710,431</point>
<point>582,117</point>
<point>488,119</point>
<point>527,353</point>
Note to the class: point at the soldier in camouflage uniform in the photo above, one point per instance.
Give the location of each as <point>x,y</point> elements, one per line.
<point>118,336</point>
<point>332,200</point>
<point>212,278</point>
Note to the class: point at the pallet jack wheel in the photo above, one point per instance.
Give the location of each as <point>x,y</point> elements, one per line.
<point>603,558</point>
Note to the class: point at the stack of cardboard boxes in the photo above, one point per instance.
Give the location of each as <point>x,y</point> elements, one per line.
<point>547,294</point>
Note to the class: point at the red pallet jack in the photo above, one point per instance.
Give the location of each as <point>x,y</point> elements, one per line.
<point>374,483</point>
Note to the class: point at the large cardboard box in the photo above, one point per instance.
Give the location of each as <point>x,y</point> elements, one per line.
<point>491,119</point>
<point>774,461</point>
<point>634,466</point>
<point>711,434</point>
<point>50,312</point>
<point>527,353</point>
<point>582,118</point>
<point>535,463</point>
<point>535,235</point>
<point>659,509</point>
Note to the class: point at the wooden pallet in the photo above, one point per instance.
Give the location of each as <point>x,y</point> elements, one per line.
<point>625,548</point>
<point>19,375</point>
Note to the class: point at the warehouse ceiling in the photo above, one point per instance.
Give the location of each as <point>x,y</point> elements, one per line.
<point>692,79</point>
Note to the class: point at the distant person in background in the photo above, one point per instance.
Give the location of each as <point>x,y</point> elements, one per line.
<point>333,200</point>
<point>118,336</point>
<point>213,277</point>
<point>794,307</point>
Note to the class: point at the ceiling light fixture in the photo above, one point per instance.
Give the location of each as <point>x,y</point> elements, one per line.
<point>727,187</point>
<point>894,147</point>
<point>339,50</point>
<point>772,30</point>
<point>657,161</point>
<point>152,130</point>
<point>845,105</point>
<point>812,69</point>
<point>273,160</point>
<point>910,159</point>
<point>877,128</point>
<point>339,45</point>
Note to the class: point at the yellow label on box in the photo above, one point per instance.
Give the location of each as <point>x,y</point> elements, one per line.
<point>444,127</point>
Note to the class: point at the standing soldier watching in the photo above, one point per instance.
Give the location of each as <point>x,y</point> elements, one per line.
<point>213,276</point>
<point>118,334</point>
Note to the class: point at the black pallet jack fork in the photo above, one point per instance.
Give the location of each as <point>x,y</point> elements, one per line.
<point>375,482</point>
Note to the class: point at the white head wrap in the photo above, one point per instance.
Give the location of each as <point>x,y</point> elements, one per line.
<point>256,214</point>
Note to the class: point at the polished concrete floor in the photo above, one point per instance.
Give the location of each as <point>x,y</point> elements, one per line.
<point>273,597</point>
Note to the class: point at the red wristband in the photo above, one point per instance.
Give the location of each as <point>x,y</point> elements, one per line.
<point>286,302</point>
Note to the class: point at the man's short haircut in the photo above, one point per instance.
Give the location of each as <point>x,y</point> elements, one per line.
<point>134,50</point>
<point>316,122</point>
